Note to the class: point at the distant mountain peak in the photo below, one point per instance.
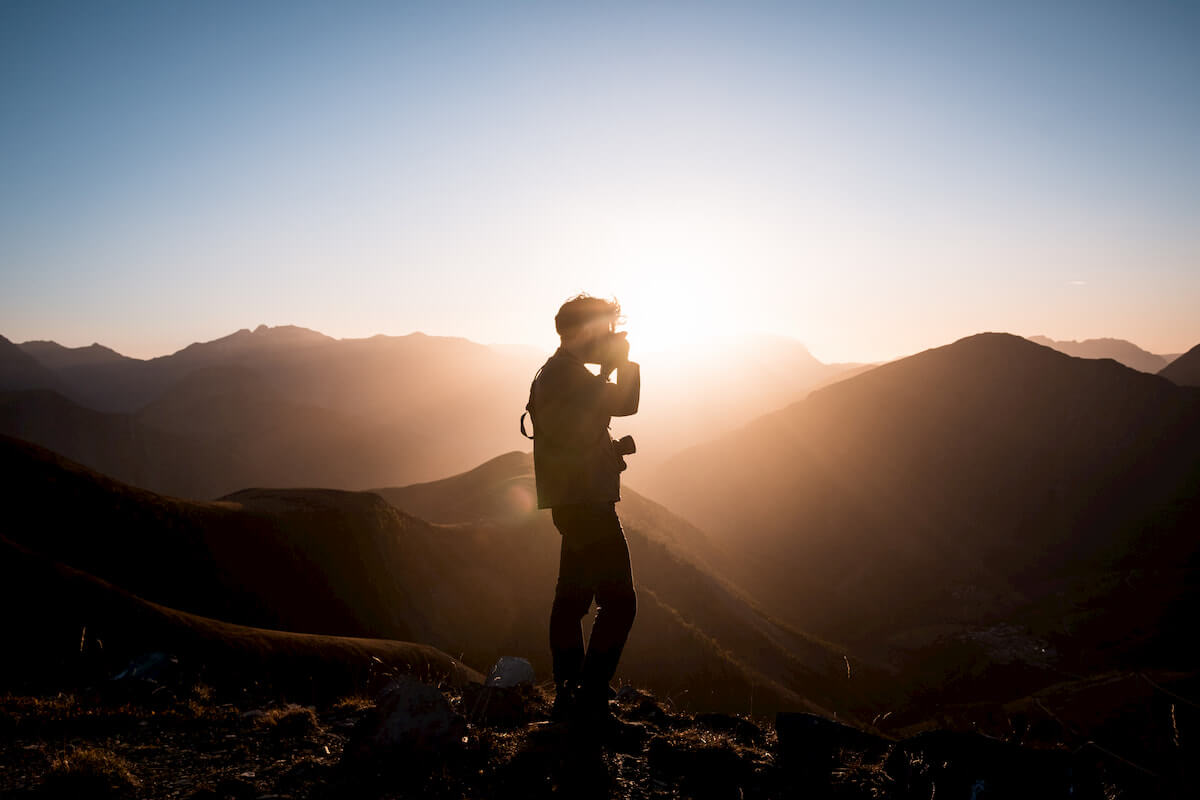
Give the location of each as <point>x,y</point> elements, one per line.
<point>57,356</point>
<point>1120,350</point>
<point>261,336</point>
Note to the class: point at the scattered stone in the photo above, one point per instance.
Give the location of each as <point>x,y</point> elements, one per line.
<point>497,706</point>
<point>157,667</point>
<point>410,719</point>
<point>707,771</point>
<point>809,746</point>
<point>510,671</point>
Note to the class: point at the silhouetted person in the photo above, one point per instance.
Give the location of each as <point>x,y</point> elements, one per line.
<point>577,468</point>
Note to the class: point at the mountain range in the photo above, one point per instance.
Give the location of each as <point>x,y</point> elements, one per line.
<point>288,406</point>
<point>1119,350</point>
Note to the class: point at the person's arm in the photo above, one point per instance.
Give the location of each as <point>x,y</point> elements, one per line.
<point>572,403</point>
<point>621,398</point>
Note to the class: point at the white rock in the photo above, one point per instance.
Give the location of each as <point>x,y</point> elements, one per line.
<point>510,671</point>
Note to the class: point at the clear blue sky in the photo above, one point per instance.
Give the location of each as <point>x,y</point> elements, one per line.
<point>871,178</point>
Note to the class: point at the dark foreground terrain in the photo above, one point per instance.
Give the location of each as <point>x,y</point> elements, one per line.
<point>140,737</point>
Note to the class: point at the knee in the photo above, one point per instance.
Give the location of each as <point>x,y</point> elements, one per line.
<point>621,604</point>
<point>569,606</point>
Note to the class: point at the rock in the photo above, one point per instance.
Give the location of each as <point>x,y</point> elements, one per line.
<point>510,671</point>
<point>809,745</point>
<point>151,678</point>
<point>970,765</point>
<point>709,771</point>
<point>156,667</point>
<point>410,720</point>
<point>497,706</point>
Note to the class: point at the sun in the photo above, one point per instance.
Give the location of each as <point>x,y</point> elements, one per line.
<point>678,292</point>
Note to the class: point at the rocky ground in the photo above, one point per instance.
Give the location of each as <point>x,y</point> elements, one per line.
<point>142,740</point>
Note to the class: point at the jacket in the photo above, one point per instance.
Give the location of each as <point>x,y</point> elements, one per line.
<point>574,460</point>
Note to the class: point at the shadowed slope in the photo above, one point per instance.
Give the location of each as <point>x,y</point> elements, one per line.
<point>1185,370</point>
<point>19,370</point>
<point>988,482</point>
<point>64,608</point>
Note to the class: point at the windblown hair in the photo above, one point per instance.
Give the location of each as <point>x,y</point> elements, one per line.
<point>582,309</point>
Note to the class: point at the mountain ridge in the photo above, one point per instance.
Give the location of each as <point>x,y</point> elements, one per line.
<point>1119,350</point>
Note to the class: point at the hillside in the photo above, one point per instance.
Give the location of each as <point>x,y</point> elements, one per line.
<point>75,627</point>
<point>348,563</point>
<point>1185,370</point>
<point>688,397</point>
<point>675,561</point>
<point>992,499</point>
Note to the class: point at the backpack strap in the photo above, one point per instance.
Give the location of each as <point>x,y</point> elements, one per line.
<point>529,404</point>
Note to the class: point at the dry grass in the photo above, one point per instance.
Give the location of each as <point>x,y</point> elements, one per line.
<point>350,705</point>
<point>89,772</point>
<point>289,721</point>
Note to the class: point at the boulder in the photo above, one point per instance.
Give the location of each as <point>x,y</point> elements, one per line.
<point>155,667</point>
<point>509,671</point>
<point>498,706</point>
<point>411,720</point>
<point>715,771</point>
<point>809,745</point>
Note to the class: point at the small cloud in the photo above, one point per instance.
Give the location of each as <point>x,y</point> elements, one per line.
<point>1077,283</point>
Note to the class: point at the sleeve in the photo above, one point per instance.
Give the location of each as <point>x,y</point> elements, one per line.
<point>571,403</point>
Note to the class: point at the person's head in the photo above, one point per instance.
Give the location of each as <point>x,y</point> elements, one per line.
<point>584,323</point>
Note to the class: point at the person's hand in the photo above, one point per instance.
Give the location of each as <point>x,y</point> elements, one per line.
<point>617,355</point>
<point>620,348</point>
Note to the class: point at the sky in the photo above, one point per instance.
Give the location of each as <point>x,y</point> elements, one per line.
<point>871,178</point>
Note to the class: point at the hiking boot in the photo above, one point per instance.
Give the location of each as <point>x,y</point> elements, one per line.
<point>593,718</point>
<point>564,702</point>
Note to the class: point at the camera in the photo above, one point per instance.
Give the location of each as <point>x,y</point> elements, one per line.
<point>614,349</point>
<point>623,447</point>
